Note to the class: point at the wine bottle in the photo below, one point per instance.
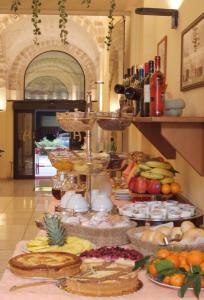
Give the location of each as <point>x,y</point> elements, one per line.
<point>134,91</point>
<point>120,88</point>
<point>157,90</point>
<point>149,70</point>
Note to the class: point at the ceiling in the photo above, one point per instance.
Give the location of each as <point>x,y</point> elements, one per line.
<point>97,7</point>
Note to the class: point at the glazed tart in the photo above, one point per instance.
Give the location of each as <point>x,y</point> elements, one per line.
<point>104,279</point>
<point>46,264</point>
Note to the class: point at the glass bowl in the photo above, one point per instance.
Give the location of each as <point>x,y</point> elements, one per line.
<point>93,166</point>
<point>114,121</point>
<point>76,121</point>
<point>62,160</point>
<point>76,162</point>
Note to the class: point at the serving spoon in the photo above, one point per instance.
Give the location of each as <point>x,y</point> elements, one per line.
<point>61,283</point>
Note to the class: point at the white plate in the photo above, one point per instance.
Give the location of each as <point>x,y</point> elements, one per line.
<point>167,285</point>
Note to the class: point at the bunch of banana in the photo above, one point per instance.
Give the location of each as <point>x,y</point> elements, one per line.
<point>153,169</point>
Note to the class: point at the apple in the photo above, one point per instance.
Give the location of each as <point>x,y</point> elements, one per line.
<point>138,184</point>
<point>154,186</point>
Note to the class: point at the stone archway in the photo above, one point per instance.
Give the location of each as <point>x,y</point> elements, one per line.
<point>18,68</point>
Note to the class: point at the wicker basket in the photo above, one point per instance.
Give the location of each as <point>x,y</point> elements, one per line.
<point>101,236</point>
<point>148,248</point>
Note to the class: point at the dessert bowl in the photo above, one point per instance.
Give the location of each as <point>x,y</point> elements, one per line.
<point>76,121</point>
<point>114,121</point>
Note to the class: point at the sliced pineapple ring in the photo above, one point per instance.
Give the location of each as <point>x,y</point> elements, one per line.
<point>73,245</point>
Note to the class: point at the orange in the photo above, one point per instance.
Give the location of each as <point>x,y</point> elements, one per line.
<point>152,270</point>
<point>182,260</point>
<point>177,279</point>
<point>174,259</point>
<point>183,254</point>
<point>175,187</point>
<point>195,257</point>
<point>185,266</point>
<point>167,279</point>
<point>166,189</point>
<point>202,267</point>
<point>163,253</point>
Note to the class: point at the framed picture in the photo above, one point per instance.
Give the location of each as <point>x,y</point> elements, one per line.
<point>192,55</point>
<point>162,52</point>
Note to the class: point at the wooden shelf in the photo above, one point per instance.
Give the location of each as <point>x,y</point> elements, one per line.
<point>169,135</point>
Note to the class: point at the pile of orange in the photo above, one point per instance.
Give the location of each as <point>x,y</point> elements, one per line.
<point>168,188</point>
<point>183,259</point>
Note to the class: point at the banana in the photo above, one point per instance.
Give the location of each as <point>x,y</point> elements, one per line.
<point>167,180</point>
<point>144,167</point>
<point>150,175</point>
<point>158,164</point>
<point>164,172</point>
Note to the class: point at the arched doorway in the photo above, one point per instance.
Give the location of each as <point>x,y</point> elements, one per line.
<point>54,75</point>
<point>54,81</point>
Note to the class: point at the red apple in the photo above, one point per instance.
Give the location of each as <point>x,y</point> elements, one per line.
<point>138,184</point>
<point>154,186</point>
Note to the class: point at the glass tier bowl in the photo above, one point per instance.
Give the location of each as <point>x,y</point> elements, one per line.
<point>76,121</point>
<point>114,121</point>
<point>63,160</point>
<point>97,163</point>
<point>76,162</point>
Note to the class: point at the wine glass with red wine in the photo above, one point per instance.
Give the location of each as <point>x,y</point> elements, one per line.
<point>57,189</point>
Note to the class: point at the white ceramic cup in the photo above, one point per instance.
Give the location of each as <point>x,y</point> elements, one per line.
<point>102,203</point>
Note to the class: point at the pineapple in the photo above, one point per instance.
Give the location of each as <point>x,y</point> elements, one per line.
<point>55,230</point>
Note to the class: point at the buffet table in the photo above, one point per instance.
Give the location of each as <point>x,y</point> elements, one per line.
<point>149,290</point>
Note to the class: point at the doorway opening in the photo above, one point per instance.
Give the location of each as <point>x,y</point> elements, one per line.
<point>49,137</point>
<point>54,81</point>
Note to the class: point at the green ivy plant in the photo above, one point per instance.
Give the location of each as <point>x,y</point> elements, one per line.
<point>36,7</point>
<point>63,16</point>
<point>63,21</point>
<point>108,38</point>
<point>15,4</point>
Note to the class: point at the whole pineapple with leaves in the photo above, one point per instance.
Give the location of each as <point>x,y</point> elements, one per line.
<point>55,230</point>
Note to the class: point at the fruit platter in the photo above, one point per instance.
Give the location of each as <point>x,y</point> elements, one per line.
<point>176,269</point>
<point>152,177</point>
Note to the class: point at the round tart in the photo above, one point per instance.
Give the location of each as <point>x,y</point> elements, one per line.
<point>104,279</point>
<point>46,264</point>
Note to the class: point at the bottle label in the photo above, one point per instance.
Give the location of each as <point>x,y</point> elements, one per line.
<point>146,93</point>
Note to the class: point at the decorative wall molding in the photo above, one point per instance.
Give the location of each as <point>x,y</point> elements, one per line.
<point>23,59</point>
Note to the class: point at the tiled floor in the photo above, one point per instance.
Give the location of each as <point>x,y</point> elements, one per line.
<point>19,207</point>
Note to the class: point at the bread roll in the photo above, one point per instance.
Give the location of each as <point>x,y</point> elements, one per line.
<point>176,231</point>
<point>165,230</point>
<point>158,238</point>
<point>147,235</point>
<point>191,235</point>
<point>186,226</point>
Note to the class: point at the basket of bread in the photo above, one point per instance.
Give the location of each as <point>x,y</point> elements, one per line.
<point>149,239</point>
<point>101,228</point>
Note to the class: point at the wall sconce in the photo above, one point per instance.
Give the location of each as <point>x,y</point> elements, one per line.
<point>160,12</point>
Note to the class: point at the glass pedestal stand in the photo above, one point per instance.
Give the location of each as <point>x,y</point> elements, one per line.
<point>89,159</point>
<point>84,121</point>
